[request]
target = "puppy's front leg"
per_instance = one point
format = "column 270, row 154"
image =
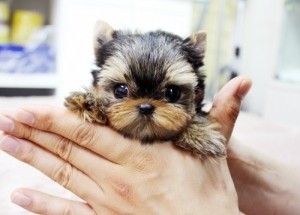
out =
column 87, row 105
column 202, row 139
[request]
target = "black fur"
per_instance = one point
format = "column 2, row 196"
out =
column 95, row 74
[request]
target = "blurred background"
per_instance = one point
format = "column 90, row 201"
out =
column 46, row 52
column 46, row 45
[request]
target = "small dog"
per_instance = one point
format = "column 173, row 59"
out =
column 149, row 87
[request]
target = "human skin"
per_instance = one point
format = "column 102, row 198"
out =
column 264, row 185
column 115, row 175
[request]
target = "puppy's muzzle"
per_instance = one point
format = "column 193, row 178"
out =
column 146, row 109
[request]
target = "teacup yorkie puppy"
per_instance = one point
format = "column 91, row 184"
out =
column 149, row 87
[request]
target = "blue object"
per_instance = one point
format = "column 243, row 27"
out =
column 20, row 59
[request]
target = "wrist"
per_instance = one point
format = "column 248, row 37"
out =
column 199, row 187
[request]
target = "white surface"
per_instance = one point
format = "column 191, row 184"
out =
column 7, row 103
column 28, row 80
column 283, row 102
column 277, row 140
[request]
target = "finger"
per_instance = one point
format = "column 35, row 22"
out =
column 52, row 166
column 227, row 103
column 65, row 123
column 82, row 158
column 44, row 204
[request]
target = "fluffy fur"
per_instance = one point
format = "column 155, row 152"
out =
column 149, row 87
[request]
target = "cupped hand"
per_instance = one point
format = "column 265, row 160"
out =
column 115, row 175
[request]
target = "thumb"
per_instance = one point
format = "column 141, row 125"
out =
column 227, row 103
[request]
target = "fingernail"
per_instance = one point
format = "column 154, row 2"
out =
column 24, row 117
column 244, row 87
column 6, row 124
column 20, row 199
column 9, row 145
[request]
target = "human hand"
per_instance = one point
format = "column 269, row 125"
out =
column 114, row 175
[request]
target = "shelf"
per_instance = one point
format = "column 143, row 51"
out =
column 29, row 84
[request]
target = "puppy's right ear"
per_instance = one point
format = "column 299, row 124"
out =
column 199, row 43
column 103, row 33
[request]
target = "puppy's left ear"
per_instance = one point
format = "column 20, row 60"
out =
column 198, row 42
column 103, row 33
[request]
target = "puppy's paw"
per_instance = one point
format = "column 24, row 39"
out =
column 203, row 140
column 87, row 106
column 213, row 144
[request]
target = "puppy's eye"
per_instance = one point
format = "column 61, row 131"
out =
column 121, row 91
column 172, row 93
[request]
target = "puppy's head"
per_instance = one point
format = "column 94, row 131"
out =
column 152, row 80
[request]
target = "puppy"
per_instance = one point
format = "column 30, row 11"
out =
column 149, row 87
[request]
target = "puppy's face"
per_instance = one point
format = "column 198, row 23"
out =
column 151, row 80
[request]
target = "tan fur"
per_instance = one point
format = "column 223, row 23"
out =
column 199, row 41
column 180, row 73
column 204, row 131
column 102, row 31
column 114, row 70
column 167, row 121
column 87, row 106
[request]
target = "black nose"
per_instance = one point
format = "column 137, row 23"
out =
column 146, row 108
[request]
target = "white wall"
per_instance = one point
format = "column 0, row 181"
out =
column 74, row 21
column 271, row 98
column 260, row 49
